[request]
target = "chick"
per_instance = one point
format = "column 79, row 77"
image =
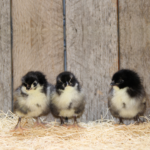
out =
column 68, row 100
column 127, row 97
column 32, row 98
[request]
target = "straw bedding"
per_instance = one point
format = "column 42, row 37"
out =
column 94, row 135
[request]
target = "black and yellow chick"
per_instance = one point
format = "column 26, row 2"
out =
column 68, row 100
column 32, row 98
column 127, row 97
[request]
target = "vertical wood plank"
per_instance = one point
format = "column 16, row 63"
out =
column 5, row 56
column 134, row 25
column 92, row 50
column 37, row 38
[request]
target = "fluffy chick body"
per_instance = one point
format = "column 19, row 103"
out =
column 68, row 101
column 32, row 98
column 127, row 97
column 32, row 103
column 123, row 106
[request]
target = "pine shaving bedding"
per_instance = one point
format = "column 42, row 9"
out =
column 96, row 135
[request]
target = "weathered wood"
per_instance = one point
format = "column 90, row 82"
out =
column 92, row 50
column 37, row 38
column 5, row 57
column 134, row 25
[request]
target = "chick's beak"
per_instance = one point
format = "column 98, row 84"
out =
column 112, row 83
column 28, row 87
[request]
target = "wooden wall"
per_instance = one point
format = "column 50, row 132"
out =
column 37, row 38
column 134, row 29
column 92, row 50
column 5, row 57
column 97, row 46
column 102, row 37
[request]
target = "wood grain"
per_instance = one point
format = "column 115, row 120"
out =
column 37, row 38
column 92, row 50
column 5, row 57
column 134, row 25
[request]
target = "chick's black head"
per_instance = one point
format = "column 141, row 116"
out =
column 34, row 79
column 65, row 79
column 126, row 78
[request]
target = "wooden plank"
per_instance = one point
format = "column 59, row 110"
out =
column 37, row 38
column 134, row 25
column 5, row 57
column 92, row 50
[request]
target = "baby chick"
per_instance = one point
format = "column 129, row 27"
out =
column 127, row 97
column 68, row 100
column 32, row 98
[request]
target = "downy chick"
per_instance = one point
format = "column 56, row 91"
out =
column 32, row 98
column 127, row 97
column 68, row 100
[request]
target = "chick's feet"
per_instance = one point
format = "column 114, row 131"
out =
column 39, row 123
column 75, row 125
column 18, row 127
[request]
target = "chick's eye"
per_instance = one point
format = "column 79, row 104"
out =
column 34, row 84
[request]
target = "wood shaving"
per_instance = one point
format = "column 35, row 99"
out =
column 96, row 135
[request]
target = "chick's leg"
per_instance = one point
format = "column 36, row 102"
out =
column 75, row 125
column 18, row 126
column 39, row 123
column 61, row 121
column 120, row 121
column 138, row 120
